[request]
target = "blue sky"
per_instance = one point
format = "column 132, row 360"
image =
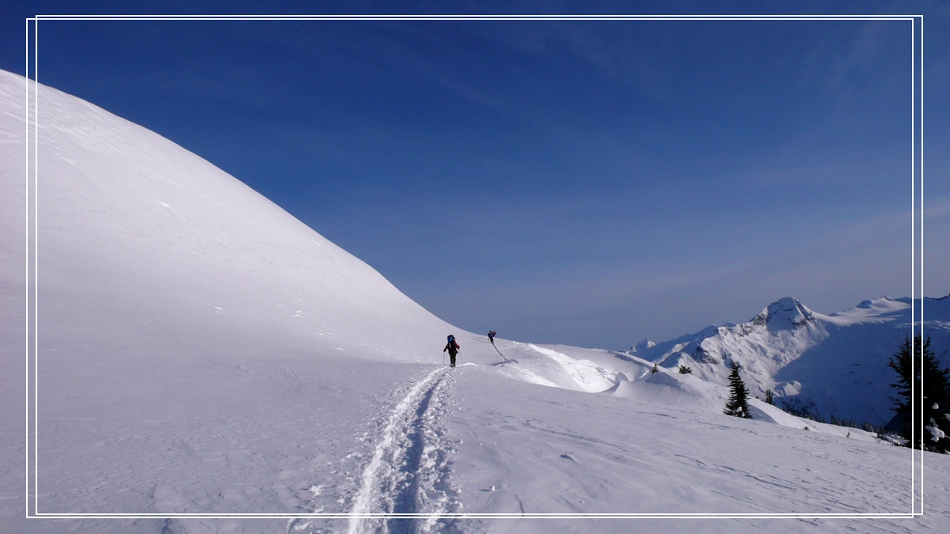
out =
column 588, row 183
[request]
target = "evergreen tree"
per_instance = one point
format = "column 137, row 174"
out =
column 922, row 379
column 738, row 403
column 901, row 364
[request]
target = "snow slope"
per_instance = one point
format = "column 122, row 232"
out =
column 203, row 358
column 825, row 365
column 129, row 220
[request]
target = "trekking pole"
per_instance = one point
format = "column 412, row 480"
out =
column 443, row 358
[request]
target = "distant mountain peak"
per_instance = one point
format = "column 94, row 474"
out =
column 786, row 312
column 642, row 346
column 814, row 363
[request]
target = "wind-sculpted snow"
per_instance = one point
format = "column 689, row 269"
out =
column 583, row 374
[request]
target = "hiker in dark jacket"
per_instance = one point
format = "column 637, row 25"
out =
column 491, row 336
column 453, row 349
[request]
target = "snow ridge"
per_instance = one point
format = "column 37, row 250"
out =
column 816, row 364
column 409, row 471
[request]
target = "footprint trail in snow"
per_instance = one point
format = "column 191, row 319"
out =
column 409, row 470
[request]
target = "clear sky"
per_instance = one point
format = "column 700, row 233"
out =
column 581, row 182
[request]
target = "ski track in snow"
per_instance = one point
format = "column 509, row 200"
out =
column 410, row 467
column 505, row 359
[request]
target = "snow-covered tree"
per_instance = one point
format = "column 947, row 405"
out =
column 924, row 379
column 738, row 404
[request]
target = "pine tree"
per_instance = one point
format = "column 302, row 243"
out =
column 769, row 397
column 924, row 378
column 900, row 363
column 738, row 404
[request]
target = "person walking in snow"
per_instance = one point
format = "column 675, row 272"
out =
column 453, row 349
column 491, row 336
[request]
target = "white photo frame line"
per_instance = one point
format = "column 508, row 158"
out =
column 32, row 262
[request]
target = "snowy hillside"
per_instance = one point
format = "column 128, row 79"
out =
column 207, row 363
column 136, row 227
column 824, row 365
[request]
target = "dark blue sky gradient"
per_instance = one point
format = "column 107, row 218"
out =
column 589, row 183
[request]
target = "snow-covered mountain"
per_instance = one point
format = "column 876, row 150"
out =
column 136, row 227
column 200, row 358
column 823, row 365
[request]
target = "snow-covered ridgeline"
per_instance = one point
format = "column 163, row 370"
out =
column 129, row 220
column 827, row 365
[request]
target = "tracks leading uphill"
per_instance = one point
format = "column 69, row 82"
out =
column 409, row 470
column 505, row 359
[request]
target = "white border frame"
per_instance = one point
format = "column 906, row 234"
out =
column 32, row 264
